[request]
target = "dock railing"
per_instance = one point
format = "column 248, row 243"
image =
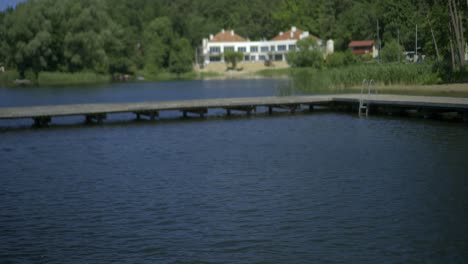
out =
column 365, row 98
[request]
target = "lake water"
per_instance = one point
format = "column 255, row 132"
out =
column 306, row 188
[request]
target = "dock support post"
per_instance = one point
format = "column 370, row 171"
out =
column 270, row 110
column 98, row 118
column 198, row 111
column 247, row 109
column 293, row 108
column 311, row 108
column 464, row 116
column 427, row 114
column 149, row 113
column 42, row 121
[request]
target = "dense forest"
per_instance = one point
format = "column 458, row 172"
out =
column 127, row 36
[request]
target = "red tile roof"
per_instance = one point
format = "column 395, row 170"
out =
column 295, row 35
column 361, row 43
column 287, row 35
column 227, row 36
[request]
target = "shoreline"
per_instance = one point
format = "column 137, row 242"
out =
column 452, row 89
column 447, row 89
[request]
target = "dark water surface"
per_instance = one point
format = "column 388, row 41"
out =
column 142, row 92
column 307, row 188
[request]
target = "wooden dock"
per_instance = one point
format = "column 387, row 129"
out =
column 428, row 105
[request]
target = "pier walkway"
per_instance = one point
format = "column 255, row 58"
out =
column 428, row 105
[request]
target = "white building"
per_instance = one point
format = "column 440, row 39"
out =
column 275, row 49
column 466, row 51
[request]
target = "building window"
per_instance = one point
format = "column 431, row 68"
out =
column 272, row 48
column 253, row 58
column 215, row 50
column 292, row 47
column 262, row 58
column 230, row 48
column 215, row 59
column 254, row 49
column 278, row 57
column 282, row 48
column 264, row 49
column 246, row 58
column 242, row 49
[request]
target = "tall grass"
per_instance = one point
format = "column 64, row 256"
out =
column 80, row 78
column 208, row 75
column 387, row 74
column 165, row 76
column 8, row 78
column 275, row 72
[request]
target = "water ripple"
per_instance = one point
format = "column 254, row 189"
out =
column 310, row 188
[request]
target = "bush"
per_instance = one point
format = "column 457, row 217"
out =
column 339, row 59
column 307, row 55
column 8, row 78
column 336, row 59
column 391, row 51
column 443, row 69
column 351, row 59
column 232, row 57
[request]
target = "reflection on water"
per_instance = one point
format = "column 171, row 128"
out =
column 139, row 92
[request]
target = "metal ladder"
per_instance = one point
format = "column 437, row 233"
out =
column 364, row 102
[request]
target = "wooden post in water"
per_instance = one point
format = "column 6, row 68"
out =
column 293, row 108
column 149, row 113
column 42, row 121
column 464, row 116
column 197, row 111
column 98, row 118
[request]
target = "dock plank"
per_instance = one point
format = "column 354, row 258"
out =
column 86, row 109
column 449, row 103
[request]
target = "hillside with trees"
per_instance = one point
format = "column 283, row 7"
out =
column 130, row 36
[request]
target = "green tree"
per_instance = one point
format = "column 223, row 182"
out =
column 391, row 52
column 232, row 57
column 307, row 55
column 157, row 41
column 129, row 35
column 301, row 13
column 28, row 31
column 91, row 37
column 180, row 60
column 4, row 48
column 358, row 22
column 398, row 16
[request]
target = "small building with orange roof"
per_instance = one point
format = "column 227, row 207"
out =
column 363, row 47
